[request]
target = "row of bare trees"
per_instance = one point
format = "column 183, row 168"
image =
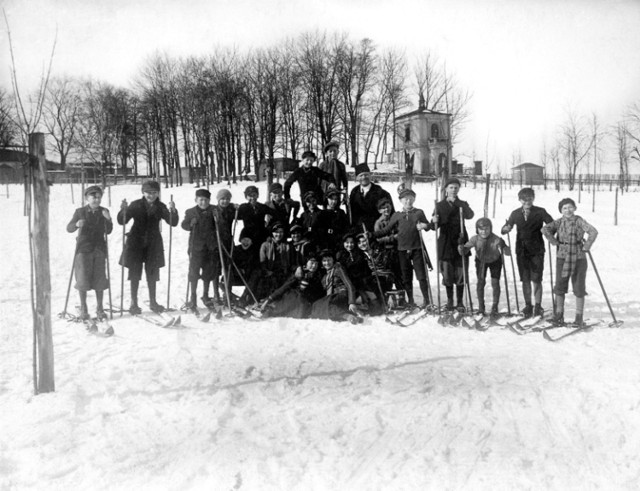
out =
column 224, row 114
column 582, row 142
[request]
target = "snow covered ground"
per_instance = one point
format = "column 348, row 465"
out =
column 282, row 404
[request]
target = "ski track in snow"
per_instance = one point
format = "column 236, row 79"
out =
column 288, row 404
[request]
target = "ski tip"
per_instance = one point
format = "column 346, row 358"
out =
column 178, row 321
column 110, row 331
column 545, row 335
column 206, row 317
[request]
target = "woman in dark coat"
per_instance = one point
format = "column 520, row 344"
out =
column 339, row 302
column 144, row 242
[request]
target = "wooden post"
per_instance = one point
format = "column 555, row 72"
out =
column 615, row 213
column 486, row 196
column 580, row 189
column 40, row 240
column 495, row 194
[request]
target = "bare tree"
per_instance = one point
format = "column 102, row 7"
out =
column 576, row 141
column 8, row 129
column 632, row 127
column 61, row 115
column 622, row 141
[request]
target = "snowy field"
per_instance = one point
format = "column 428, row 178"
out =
column 313, row 405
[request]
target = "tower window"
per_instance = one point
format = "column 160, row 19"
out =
column 435, row 131
column 407, row 133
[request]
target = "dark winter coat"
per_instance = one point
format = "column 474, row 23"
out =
column 281, row 212
column 529, row 240
column 449, row 225
column 253, row 217
column 338, row 170
column 91, row 235
column 308, row 180
column 402, row 225
column 332, row 225
column 145, row 231
column 364, row 208
column 203, row 234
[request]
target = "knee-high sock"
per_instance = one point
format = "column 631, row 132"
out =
column 559, row 304
column 495, row 285
column 579, row 305
column 152, row 291
column 424, row 289
column 99, row 299
column 537, row 292
column 134, row 291
column 526, row 292
column 460, row 293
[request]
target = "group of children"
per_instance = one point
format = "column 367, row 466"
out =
column 325, row 263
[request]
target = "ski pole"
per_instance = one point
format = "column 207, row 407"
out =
column 375, row 269
column 437, row 227
column 615, row 323
column 233, row 235
column 240, row 275
column 425, row 257
column 169, row 262
column 106, row 249
column 464, row 265
column 64, row 314
column 506, row 283
column 124, row 234
column 224, row 271
column 553, row 295
column 513, row 271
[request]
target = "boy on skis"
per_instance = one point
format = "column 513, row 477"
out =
column 408, row 223
column 567, row 234
column 447, row 218
column 198, row 221
column 489, row 248
column 94, row 224
column 144, row 241
column 529, row 248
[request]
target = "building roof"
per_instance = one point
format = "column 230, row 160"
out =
column 420, row 111
column 527, row 165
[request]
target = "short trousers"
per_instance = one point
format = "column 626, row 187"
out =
column 90, row 270
column 531, row 268
column 578, row 278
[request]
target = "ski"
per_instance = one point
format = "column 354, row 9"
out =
column 586, row 327
column 92, row 327
column 411, row 319
column 402, row 315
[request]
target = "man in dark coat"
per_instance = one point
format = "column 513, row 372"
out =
column 254, row 216
column 144, row 241
column 447, row 218
column 309, row 178
column 364, row 199
column 282, row 208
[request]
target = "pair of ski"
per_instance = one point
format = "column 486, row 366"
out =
column 236, row 311
column 407, row 317
column 546, row 326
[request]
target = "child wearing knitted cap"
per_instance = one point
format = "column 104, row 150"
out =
column 489, row 248
column 144, row 241
column 567, row 234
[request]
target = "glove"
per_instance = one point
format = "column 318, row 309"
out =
column 123, row 205
column 461, row 250
column 105, row 213
column 461, row 241
column 506, row 228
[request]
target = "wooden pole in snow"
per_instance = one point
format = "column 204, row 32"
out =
column 615, row 213
column 486, row 196
column 41, row 269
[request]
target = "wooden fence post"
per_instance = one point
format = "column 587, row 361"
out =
column 615, row 213
column 41, row 267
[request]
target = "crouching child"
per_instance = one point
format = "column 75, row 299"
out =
column 94, row 223
column 489, row 248
column 567, row 234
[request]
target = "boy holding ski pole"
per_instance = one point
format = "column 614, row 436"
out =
column 94, row 224
column 529, row 220
column 202, row 245
column 489, row 248
column 446, row 218
column 409, row 222
column 567, row 234
column 144, row 244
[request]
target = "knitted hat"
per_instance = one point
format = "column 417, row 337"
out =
column 276, row 187
column 296, row 229
column 349, row 235
column 382, row 202
column 566, row 201
column 93, row 189
column 326, row 253
column 203, row 193
column 251, row 190
column 362, row 168
column 452, row 180
column 484, row 223
column 406, row 192
column 332, row 192
column 150, row 186
column 309, row 153
column 329, row 145
column 308, row 195
column 277, row 226
column 223, row 194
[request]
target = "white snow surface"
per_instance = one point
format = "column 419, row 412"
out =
column 308, row 404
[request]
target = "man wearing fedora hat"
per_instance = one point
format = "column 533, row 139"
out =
column 364, row 198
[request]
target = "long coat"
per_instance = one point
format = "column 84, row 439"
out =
column 91, row 235
column 145, row 232
column 449, row 225
column 364, row 207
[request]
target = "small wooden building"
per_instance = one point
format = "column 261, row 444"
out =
column 280, row 166
column 527, row 174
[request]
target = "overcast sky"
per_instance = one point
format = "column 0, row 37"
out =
column 524, row 61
